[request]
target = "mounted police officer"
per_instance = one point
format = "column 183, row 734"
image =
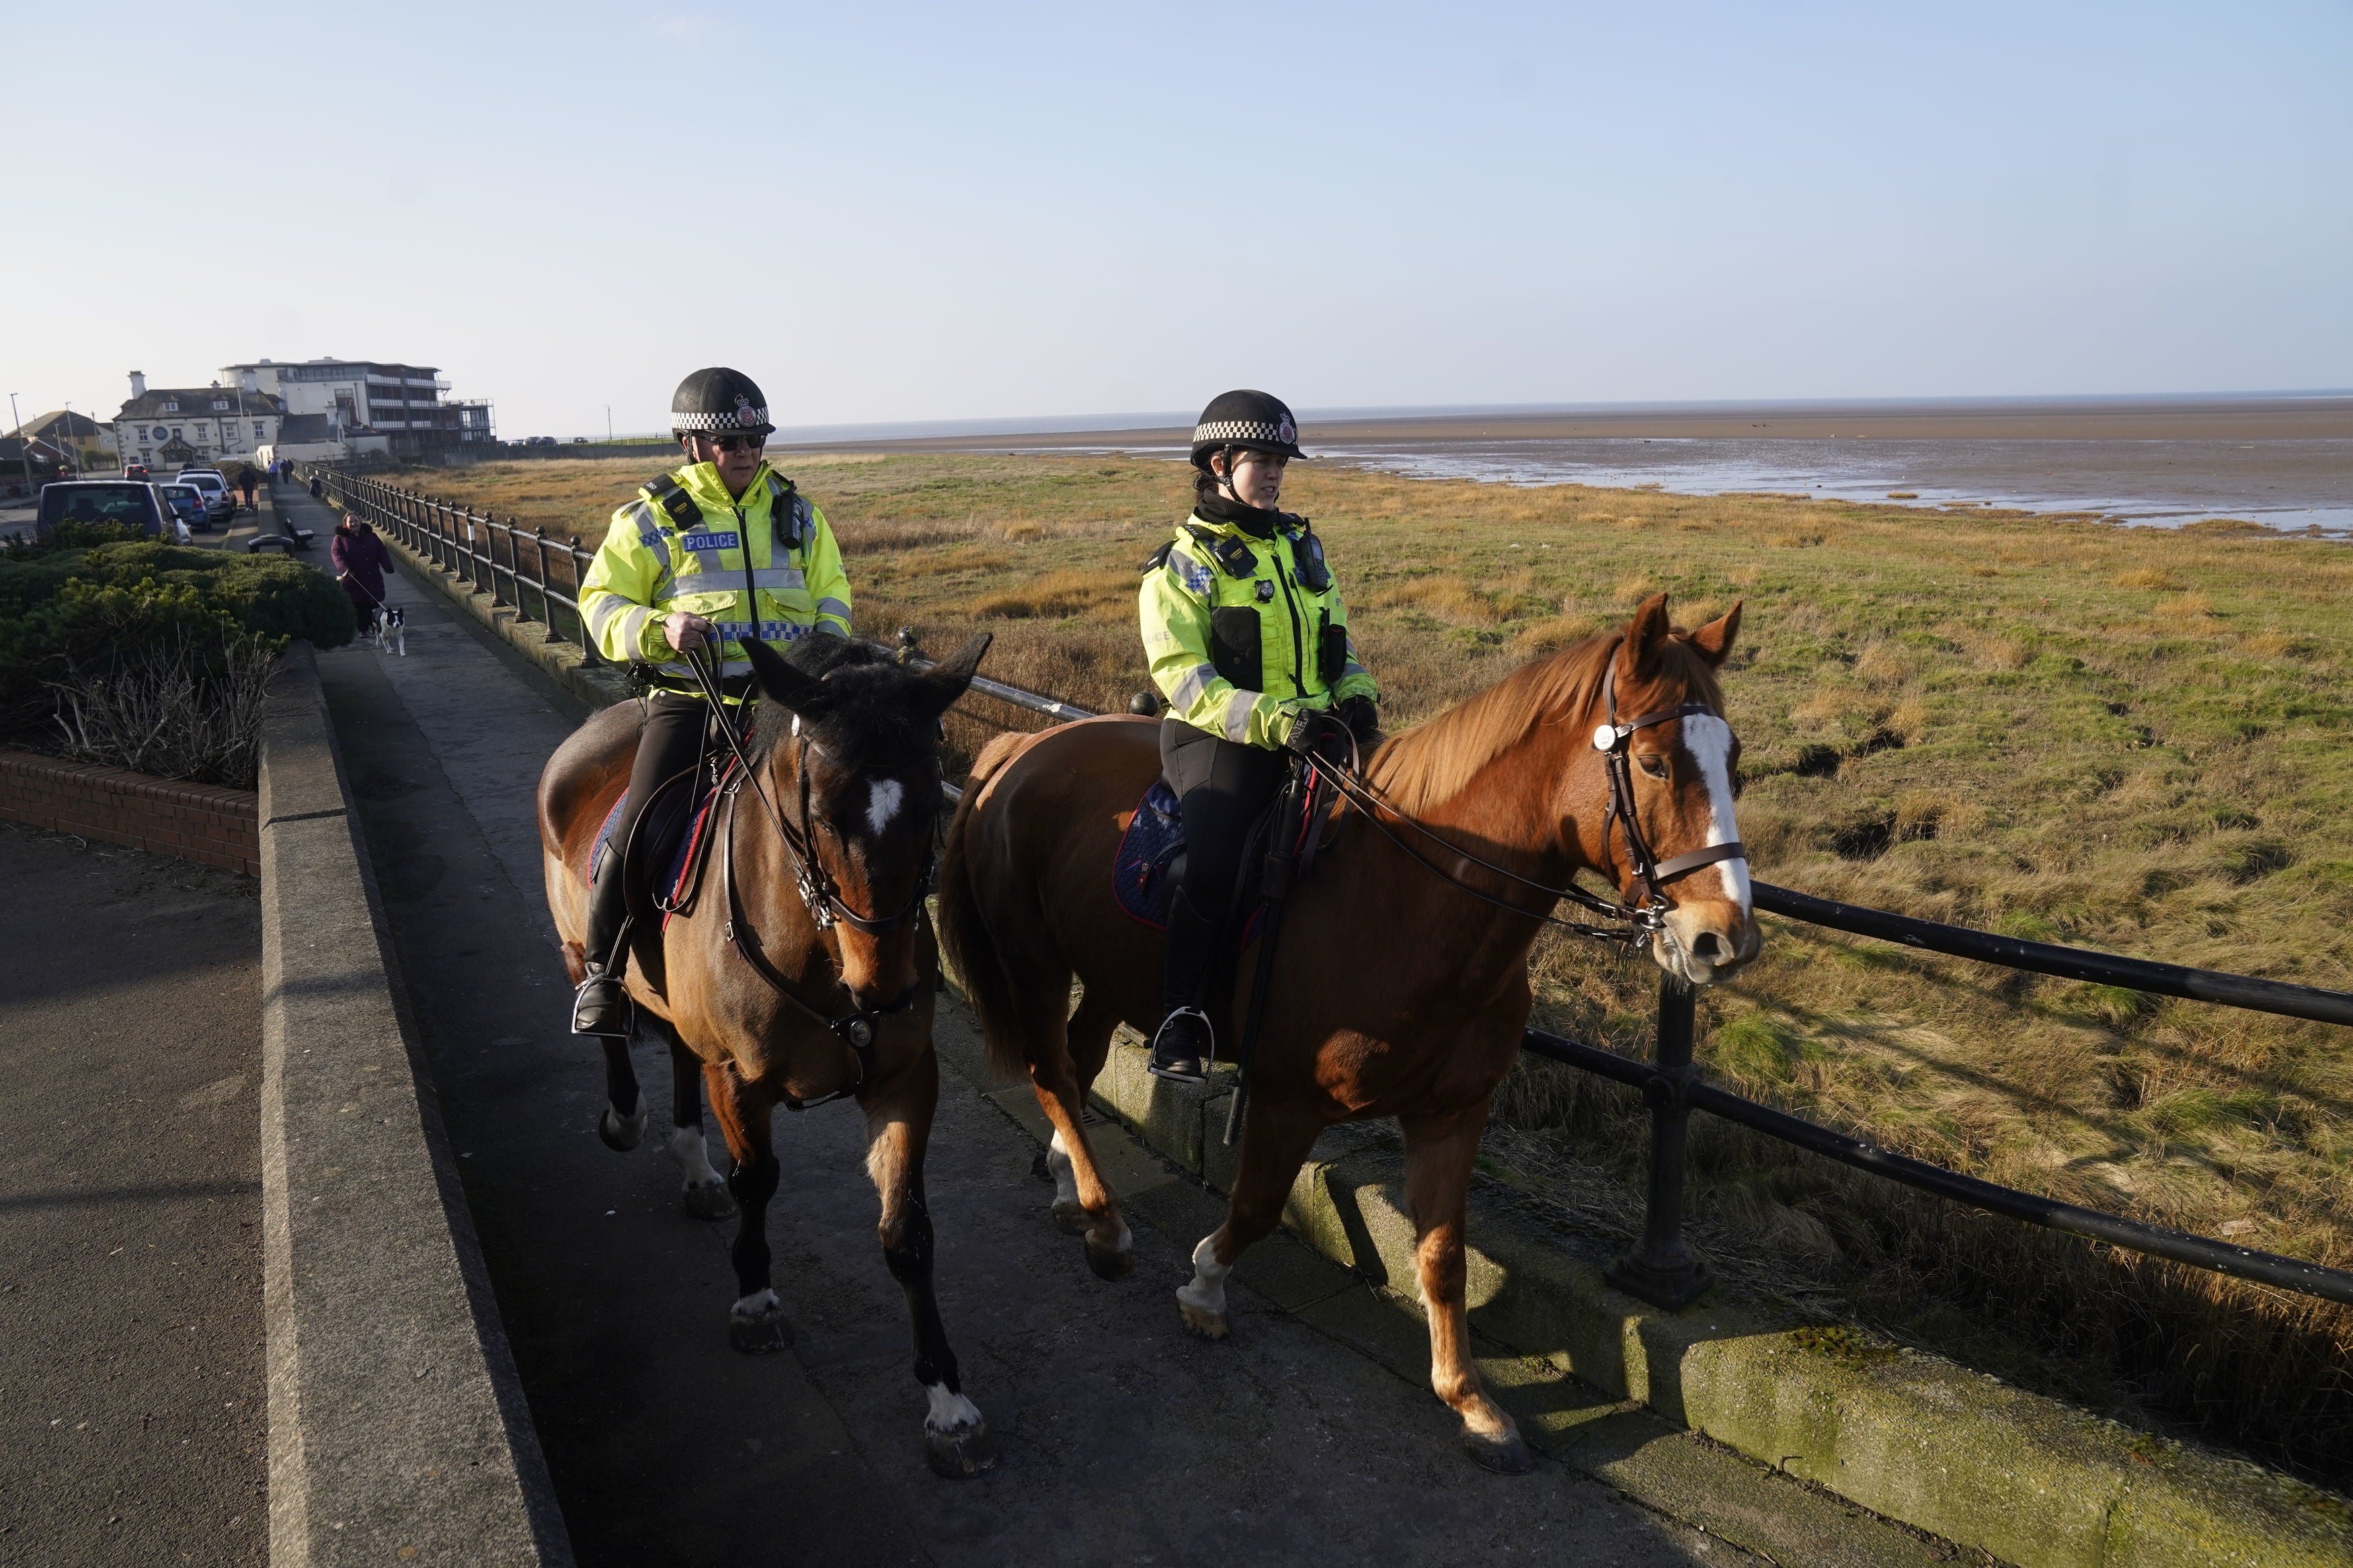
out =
column 1248, row 642
column 710, row 553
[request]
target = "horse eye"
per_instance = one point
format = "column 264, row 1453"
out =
column 1652, row 764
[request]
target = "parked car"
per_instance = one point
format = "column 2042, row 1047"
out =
column 190, row 503
column 218, row 500
column 130, row 501
column 135, row 471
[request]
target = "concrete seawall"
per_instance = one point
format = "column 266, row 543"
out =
column 397, row 1431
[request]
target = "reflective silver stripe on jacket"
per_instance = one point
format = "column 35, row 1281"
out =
column 1191, row 686
column 1238, row 714
column 633, row 625
column 826, row 606
column 601, row 611
column 686, row 672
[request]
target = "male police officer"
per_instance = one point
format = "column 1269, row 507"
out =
column 718, row 550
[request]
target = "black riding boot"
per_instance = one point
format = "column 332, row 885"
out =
column 1184, row 1046
column 600, row 1006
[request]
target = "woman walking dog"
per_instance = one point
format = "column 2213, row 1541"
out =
column 360, row 560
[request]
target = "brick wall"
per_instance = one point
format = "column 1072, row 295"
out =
column 203, row 823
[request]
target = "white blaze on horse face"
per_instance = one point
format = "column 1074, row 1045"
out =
column 949, row 1412
column 882, row 799
column 1708, row 739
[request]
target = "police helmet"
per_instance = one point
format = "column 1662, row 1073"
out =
column 717, row 401
column 1253, row 421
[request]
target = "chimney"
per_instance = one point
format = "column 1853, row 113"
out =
column 137, row 383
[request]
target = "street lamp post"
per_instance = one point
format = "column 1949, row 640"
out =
column 73, row 453
column 23, row 455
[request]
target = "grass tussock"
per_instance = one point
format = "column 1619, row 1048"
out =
column 2133, row 740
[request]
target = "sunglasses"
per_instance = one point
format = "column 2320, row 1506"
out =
column 736, row 443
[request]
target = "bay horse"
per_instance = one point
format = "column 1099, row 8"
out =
column 802, row 968
column 1403, row 985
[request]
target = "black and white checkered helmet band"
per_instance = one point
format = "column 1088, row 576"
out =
column 743, row 417
column 1225, row 432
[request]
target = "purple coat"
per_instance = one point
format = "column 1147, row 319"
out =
column 359, row 556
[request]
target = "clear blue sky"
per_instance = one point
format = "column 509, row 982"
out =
column 920, row 213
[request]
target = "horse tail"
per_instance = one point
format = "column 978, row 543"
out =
column 964, row 929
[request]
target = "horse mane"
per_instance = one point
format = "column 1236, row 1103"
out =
column 1429, row 764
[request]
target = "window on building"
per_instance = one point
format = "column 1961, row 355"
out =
column 256, row 429
column 200, row 432
column 175, row 432
column 171, row 406
column 220, row 403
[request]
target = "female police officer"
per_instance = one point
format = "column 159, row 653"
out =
column 720, row 550
column 1249, row 641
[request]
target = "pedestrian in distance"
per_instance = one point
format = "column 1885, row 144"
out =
column 721, row 549
column 360, row 561
column 317, row 489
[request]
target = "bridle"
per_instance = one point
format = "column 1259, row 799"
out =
column 818, row 890
column 1641, row 916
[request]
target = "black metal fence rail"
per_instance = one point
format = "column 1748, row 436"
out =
column 512, row 563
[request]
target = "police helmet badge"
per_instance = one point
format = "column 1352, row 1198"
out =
column 1286, row 432
column 745, row 415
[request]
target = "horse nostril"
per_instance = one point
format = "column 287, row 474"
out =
column 1706, row 945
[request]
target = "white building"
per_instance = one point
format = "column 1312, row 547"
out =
column 176, row 426
column 401, row 402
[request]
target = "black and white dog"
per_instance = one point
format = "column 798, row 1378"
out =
column 389, row 631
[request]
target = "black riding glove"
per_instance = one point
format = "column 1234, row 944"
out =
column 1362, row 717
column 1317, row 733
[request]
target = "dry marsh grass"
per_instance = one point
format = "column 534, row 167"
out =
column 2130, row 740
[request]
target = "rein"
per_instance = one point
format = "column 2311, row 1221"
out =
column 1642, row 916
column 818, row 890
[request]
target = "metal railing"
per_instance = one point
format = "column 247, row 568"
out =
column 519, row 567
column 511, row 562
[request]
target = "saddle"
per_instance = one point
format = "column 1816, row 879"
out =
column 672, row 839
column 1150, row 865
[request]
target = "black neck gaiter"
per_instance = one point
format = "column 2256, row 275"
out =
column 1259, row 522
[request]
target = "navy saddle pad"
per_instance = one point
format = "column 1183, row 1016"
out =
column 677, row 822
column 1150, row 847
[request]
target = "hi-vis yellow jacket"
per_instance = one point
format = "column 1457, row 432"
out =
column 1243, row 632
column 765, row 566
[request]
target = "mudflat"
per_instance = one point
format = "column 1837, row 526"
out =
column 2221, row 418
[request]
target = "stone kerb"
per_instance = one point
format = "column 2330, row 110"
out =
column 397, row 1429
column 1908, row 1435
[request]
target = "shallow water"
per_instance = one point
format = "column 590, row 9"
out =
column 2286, row 484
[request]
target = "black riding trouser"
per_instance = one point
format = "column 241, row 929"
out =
column 1223, row 786
column 670, row 742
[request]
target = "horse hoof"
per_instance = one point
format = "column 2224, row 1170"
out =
column 710, row 1200
column 765, row 1334
column 960, row 1456
column 1208, row 1325
column 621, row 1134
column 1506, row 1454
column 1109, row 1262
column 1070, row 1218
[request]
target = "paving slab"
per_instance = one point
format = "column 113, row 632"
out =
column 132, row 1418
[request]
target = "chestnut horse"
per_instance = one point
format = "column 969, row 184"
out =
column 1403, row 985
column 803, row 967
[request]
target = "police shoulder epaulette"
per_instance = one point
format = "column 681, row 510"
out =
column 665, row 493
column 1158, row 559
column 1233, row 557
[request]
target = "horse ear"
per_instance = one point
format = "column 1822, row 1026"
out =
column 780, row 682
column 937, row 688
column 1650, row 629
column 1714, row 641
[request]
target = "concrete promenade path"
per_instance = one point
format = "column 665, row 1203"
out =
column 1308, row 1439
column 132, row 1418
